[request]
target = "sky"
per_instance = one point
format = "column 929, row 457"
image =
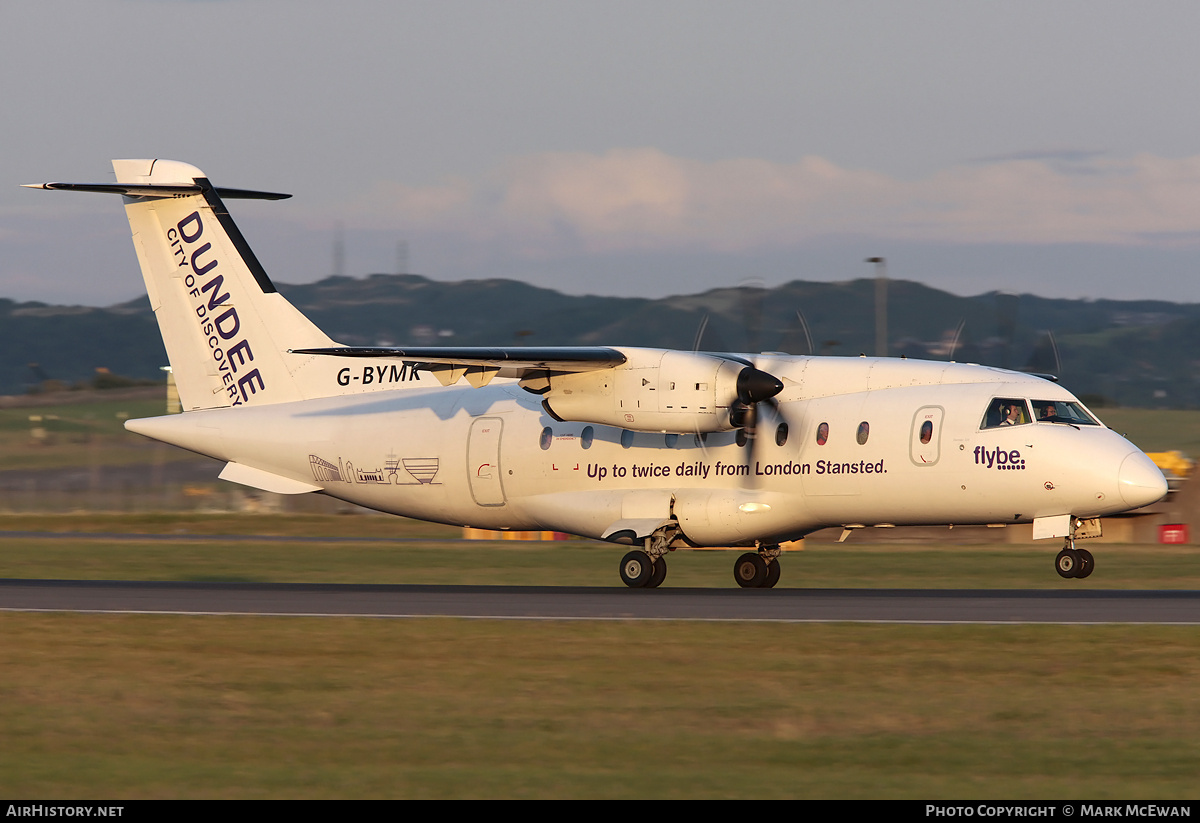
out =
column 626, row 148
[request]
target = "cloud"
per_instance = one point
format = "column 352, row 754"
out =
column 643, row 199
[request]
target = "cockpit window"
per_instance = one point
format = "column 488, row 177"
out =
column 1062, row 411
column 1005, row 411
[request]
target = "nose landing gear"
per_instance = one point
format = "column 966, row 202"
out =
column 1072, row 562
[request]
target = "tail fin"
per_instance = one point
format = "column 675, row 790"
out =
column 225, row 327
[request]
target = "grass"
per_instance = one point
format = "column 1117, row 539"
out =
column 1157, row 430
column 126, row 707
column 90, row 434
column 410, row 551
column 200, row 524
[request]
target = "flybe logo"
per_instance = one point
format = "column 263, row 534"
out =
column 219, row 323
column 999, row 459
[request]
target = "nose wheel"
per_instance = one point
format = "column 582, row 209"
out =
column 1072, row 563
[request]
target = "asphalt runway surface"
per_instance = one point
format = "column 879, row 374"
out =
column 595, row 603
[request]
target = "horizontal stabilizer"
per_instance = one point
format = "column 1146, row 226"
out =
column 158, row 190
column 223, row 323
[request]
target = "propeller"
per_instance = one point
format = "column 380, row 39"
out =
column 752, row 296
column 755, row 404
column 754, row 386
column 1006, row 324
column 1045, row 359
column 957, row 336
column 792, row 341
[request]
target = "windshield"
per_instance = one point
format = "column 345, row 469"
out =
column 1062, row 411
column 1005, row 411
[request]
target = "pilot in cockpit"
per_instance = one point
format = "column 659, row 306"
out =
column 1006, row 411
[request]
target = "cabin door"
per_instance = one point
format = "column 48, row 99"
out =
column 926, row 435
column 483, row 461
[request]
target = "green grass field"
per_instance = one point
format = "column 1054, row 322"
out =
column 213, row 707
column 54, row 436
column 1156, row 430
column 432, row 554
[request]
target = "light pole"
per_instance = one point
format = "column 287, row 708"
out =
column 880, row 305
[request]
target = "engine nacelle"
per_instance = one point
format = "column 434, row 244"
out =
column 658, row 390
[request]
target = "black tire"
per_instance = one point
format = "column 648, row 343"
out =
column 1086, row 563
column 1067, row 563
column 750, row 571
column 636, row 569
column 773, row 571
column 658, row 575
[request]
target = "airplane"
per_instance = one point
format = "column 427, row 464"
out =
column 656, row 449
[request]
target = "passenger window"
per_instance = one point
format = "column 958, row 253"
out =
column 926, row 432
column 781, row 434
column 587, row 436
column 547, row 438
column 864, row 431
column 822, row 434
column 1005, row 411
column 626, row 438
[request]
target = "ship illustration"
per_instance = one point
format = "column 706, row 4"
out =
column 424, row 469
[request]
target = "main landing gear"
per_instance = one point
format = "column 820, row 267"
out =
column 758, row 570
column 640, row 571
column 647, row 569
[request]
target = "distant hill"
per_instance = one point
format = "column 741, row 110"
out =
column 1132, row 353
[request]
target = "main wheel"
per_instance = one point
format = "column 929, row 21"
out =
column 1086, row 563
column 772, row 575
column 750, row 571
column 1067, row 563
column 636, row 569
column 658, row 575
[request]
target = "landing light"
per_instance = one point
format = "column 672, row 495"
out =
column 751, row 508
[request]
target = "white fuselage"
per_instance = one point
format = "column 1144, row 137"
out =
column 491, row 457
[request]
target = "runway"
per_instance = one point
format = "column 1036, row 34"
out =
column 933, row 606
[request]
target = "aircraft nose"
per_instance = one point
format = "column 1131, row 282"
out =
column 1141, row 482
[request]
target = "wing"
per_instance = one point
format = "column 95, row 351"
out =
column 480, row 364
